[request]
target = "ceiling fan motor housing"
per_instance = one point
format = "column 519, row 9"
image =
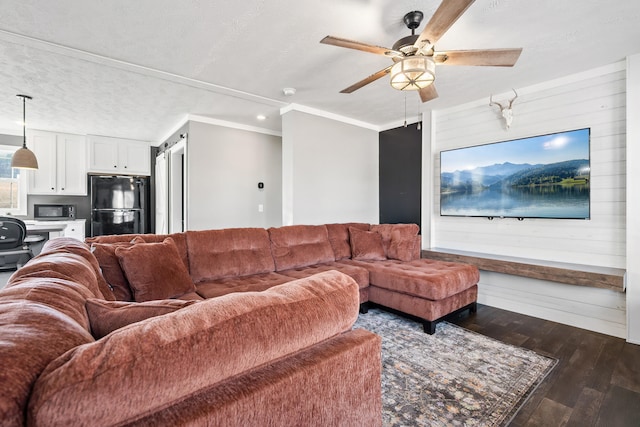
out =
column 405, row 45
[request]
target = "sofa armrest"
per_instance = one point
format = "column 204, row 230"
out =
column 149, row 365
column 336, row 382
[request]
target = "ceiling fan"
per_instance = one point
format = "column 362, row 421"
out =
column 415, row 56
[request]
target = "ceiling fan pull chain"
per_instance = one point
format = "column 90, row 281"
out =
column 405, row 109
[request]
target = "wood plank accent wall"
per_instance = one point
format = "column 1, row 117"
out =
column 595, row 99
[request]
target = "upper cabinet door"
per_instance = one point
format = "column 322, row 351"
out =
column 43, row 179
column 135, row 157
column 122, row 156
column 62, row 164
column 72, row 165
column 103, row 154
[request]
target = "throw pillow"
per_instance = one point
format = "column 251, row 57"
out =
column 339, row 238
column 154, row 270
column 366, row 245
column 107, row 316
column 400, row 247
column 105, row 253
column 405, row 232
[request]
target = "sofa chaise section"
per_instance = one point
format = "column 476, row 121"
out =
column 399, row 279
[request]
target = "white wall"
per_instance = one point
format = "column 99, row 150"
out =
column 330, row 171
column 224, row 168
column 633, row 200
column 594, row 99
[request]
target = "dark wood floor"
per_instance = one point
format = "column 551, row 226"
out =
column 595, row 383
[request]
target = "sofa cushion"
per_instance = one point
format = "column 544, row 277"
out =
column 180, row 240
column 112, row 272
column 339, row 238
column 366, row 245
column 423, row 278
column 107, row 316
column 359, row 274
column 154, row 270
column 403, row 232
column 300, row 245
column 253, row 283
column 111, row 380
column 214, row 254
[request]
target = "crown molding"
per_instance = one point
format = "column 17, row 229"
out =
column 328, row 115
column 233, row 125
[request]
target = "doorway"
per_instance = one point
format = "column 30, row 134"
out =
column 177, row 187
column 162, row 194
column 171, row 189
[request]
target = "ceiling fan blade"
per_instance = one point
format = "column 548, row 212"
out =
column 489, row 57
column 370, row 79
column 428, row 93
column 447, row 13
column 350, row 44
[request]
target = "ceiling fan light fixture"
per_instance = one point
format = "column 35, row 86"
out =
column 413, row 73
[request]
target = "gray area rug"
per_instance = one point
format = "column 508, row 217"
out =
column 455, row 377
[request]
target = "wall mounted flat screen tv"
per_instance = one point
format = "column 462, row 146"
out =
column 544, row 176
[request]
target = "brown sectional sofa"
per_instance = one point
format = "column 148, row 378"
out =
column 286, row 356
column 386, row 265
column 257, row 330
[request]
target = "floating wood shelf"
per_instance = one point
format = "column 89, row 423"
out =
column 572, row 274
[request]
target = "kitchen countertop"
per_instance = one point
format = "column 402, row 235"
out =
column 49, row 225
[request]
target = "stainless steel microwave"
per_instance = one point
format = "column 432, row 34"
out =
column 54, row 212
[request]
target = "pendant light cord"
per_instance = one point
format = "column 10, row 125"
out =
column 24, row 122
column 24, row 119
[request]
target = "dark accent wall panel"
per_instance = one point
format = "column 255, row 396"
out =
column 401, row 175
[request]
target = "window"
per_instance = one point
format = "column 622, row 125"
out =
column 13, row 184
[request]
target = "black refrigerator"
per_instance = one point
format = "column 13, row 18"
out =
column 119, row 205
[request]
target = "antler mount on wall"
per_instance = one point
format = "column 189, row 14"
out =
column 414, row 57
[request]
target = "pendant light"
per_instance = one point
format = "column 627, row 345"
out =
column 24, row 158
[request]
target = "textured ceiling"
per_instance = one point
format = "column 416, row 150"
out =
column 135, row 69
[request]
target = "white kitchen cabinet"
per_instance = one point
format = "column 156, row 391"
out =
column 52, row 229
column 62, row 166
column 75, row 229
column 121, row 156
